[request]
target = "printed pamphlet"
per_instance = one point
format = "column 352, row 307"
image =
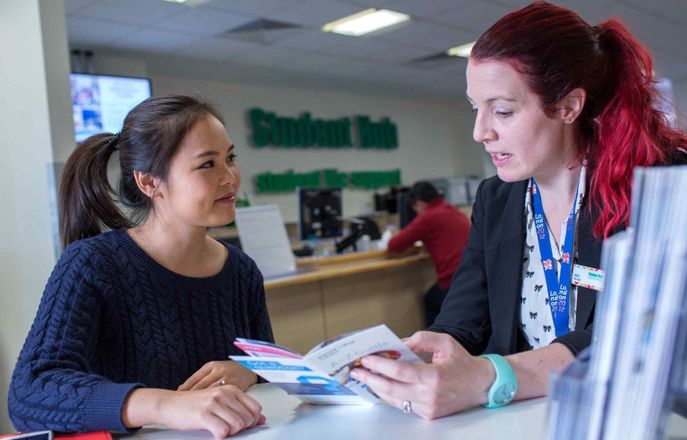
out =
column 323, row 375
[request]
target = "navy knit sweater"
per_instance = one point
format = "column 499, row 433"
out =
column 112, row 319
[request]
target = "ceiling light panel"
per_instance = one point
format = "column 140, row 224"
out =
column 366, row 22
column 461, row 51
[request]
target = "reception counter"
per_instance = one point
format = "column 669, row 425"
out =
column 334, row 295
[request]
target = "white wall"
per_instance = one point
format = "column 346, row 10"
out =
column 34, row 119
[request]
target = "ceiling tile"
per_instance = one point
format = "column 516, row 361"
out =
column 213, row 48
column 92, row 32
column 255, row 7
column 131, row 11
column 154, row 41
column 397, row 53
column 314, row 40
column 315, row 12
column 353, row 47
column 436, row 37
column 271, row 56
column 415, row 8
column 204, row 21
column 477, row 16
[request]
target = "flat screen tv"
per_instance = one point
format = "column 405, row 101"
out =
column 100, row 102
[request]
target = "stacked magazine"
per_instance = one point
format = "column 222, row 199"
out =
column 634, row 374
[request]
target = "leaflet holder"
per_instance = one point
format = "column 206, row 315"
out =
column 635, row 372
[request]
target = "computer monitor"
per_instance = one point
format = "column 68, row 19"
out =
column 319, row 213
column 406, row 213
column 388, row 201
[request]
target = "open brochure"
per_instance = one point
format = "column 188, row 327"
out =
column 323, row 375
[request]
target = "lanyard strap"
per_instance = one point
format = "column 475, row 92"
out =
column 557, row 288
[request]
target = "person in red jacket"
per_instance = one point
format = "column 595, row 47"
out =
column 444, row 230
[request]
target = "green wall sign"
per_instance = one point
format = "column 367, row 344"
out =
column 329, row 178
column 269, row 129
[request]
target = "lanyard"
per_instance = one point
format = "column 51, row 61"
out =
column 558, row 289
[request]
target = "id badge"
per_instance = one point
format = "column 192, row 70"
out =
column 588, row 277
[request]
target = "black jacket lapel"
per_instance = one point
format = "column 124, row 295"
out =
column 508, row 261
column 588, row 254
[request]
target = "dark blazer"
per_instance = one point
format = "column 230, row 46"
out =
column 482, row 307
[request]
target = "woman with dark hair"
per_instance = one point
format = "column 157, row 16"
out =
column 566, row 110
column 135, row 324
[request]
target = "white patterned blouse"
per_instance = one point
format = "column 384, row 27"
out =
column 535, row 314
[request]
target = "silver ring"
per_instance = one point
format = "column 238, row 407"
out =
column 407, row 407
column 222, row 382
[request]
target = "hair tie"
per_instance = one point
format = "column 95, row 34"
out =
column 113, row 143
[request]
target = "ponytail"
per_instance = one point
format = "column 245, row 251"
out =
column 630, row 131
column 85, row 196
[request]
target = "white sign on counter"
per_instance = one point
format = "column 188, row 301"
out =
column 263, row 237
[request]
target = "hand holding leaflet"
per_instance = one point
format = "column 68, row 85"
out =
column 323, row 375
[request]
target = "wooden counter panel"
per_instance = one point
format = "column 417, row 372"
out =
column 346, row 268
column 392, row 297
column 297, row 316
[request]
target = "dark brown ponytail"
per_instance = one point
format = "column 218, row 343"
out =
column 85, row 198
column 149, row 139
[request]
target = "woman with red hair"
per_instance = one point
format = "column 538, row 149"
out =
column 566, row 110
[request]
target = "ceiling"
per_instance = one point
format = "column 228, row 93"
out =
column 301, row 52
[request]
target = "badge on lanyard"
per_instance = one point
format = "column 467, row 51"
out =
column 558, row 288
column 588, row 277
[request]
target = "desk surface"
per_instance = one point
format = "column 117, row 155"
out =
column 287, row 417
column 319, row 269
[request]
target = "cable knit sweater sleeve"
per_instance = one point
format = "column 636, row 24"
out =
column 52, row 385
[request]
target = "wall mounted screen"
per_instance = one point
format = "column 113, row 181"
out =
column 100, row 102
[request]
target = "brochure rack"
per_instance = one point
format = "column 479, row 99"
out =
column 635, row 372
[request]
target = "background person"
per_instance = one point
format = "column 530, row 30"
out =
column 135, row 324
column 566, row 110
column 443, row 230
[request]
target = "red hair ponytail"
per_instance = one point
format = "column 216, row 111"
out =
column 631, row 132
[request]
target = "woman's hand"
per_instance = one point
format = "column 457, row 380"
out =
column 454, row 381
column 213, row 372
column 223, row 411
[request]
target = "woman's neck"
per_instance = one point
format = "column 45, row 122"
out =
column 558, row 190
column 182, row 249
